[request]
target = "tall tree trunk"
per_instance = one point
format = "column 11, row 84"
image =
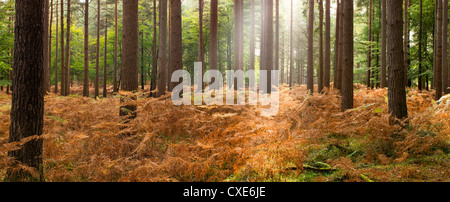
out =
column 420, row 80
column 405, row 42
column 116, row 43
column 154, row 52
column 282, row 62
column 327, row 67
column 439, row 56
column 396, row 83
column 27, row 109
column 321, row 62
column 67, row 66
column 97, row 59
column 49, row 73
column 445, row 83
column 105, row 57
column 341, row 47
column 310, row 82
column 336, row 44
column 214, row 43
column 268, row 43
column 200, row 43
column 56, row 47
column 347, row 67
column 162, row 60
column 175, row 41
column 291, row 47
column 383, row 81
column 46, row 42
column 86, row 50
column 142, row 58
column 252, row 36
column 369, row 52
column 130, row 46
column 63, row 64
column 277, row 35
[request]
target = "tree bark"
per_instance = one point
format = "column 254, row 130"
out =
column 86, row 50
column 268, row 43
column 396, row 83
column 277, row 35
column 116, row 42
column 56, row 47
column 162, row 57
column 369, row 52
column 105, row 76
column 310, row 82
column 420, row 80
column 291, row 48
column 336, row 44
column 67, row 66
column 130, row 46
column 27, row 109
column 327, row 67
column 175, row 41
column 439, row 56
column 445, row 83
column 347, row 68
column 63, row 64
column 321, row 62
column 154, row 52
column 97, row 61
column 405, row 42
column 383, row 81
column 214, row 43
column 47, row 59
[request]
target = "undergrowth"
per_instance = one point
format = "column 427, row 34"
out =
column 309, row 140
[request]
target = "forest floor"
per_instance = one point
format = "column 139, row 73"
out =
column 309, row 140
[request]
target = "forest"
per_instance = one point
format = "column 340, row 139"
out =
column 289, row 91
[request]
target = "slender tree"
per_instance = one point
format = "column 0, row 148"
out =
column 310, row 82
column 116, row 43
column 439, row 56
column 268, row 43
column 47, row 60
column 56, row 47
column 327, row 67
column 405, row 41
column 162, row 57
column 321, row 61
column 347, row 68
column 277, row 35
column 67, row 66
column 63, row 64
column 97, row 59
column 396, row 83
column 369, row 48
column 200, row 43
column 49, row 73
column 445, row 81
column 291, row 47
column 86, row 50
column 336, row 45
column 105, row 57
column 420, row 79
column 154, row 51
column 383, row 81
column 27, row 108
column 252, row 35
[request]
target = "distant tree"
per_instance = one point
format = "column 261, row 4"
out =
column 310, row 82
column 154, row 51
column 56, row 47
column 445, row 81
column 27, row 109
column 105, row 58
column 439, row 56
column 46, row 47
column 97, row 60
column 67, row 66
column 369, row 48
column 116, row 43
